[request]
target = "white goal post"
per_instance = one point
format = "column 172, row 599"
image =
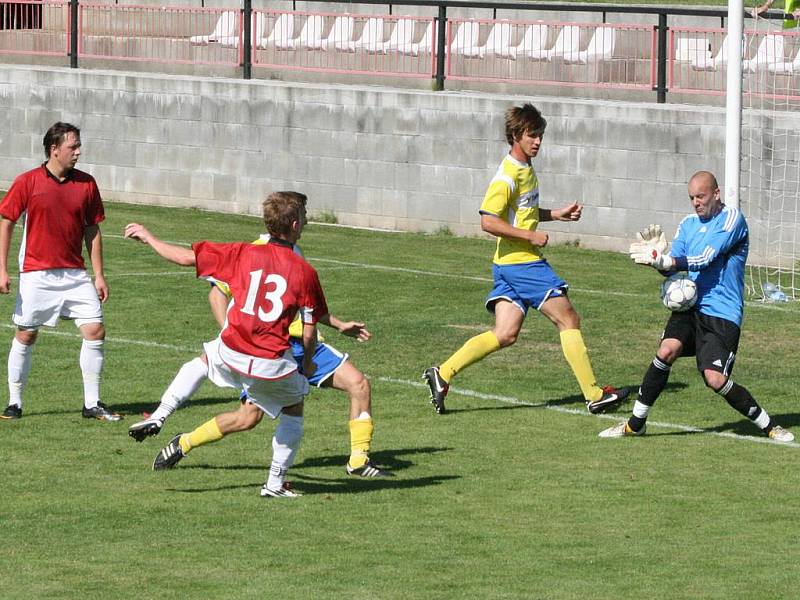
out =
column 762, row 161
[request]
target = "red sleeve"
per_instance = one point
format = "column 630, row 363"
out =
column 95, row 214
column 16, row 200
column 216, row 260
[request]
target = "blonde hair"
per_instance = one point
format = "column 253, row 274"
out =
column 281, row 209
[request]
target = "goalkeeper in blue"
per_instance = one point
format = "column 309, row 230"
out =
column 712, row 245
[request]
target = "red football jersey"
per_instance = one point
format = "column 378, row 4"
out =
column 269, row 284
column 55, row 217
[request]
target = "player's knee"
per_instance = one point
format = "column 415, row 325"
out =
column 714, row 379
column 506, row 338
column 668, row 354
column 27, row 337
column 93, row 331
column 360, row 385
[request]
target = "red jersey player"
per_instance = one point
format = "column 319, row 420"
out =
column 59, row 207
column 270, row 284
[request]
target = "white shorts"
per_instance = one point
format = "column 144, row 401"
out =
column 270, row 395
column 44, row 296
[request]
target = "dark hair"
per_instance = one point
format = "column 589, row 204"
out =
column 523, row 119
column 281, row 209
column 56, row 135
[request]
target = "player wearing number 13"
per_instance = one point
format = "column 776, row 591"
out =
column 712, row 245
column 270, row 284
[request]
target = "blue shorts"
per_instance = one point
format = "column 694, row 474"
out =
column 526, row 285
column 327, row 359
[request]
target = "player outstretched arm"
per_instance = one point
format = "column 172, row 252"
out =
column 352, row 329
column 176, row 254
column 571, row 212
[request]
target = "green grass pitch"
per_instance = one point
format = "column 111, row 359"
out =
column 510, row 495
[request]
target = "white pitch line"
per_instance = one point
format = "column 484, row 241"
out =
column 470, row 277
column 461, row 391
column 115, row 340
column 584, row 413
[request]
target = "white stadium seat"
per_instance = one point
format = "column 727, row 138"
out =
column 498, row 42
column 466, row 39
column 401, row 36
column 281, row 34
column 340, row 35
column 311, row 34
column 601, row 47
column 533, row 40
column 425, row 45
column 224, row 28
column 769, row 52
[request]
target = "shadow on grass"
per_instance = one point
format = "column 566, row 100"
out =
column 575, row 401
column 742, row 426
column 345, row 485
column 341, row 484
column 135, row 409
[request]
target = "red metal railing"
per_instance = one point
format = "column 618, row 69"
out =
column 396, row 46
column 551, row 53
column 697, row 62
column 157, row 34
column 35, row 28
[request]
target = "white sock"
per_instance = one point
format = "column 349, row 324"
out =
column 19, row 365
column 641, row 409
column 185, row 384
column 285, row 444
column 91, row 362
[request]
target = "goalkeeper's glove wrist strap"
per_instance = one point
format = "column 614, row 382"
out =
column 680, row 263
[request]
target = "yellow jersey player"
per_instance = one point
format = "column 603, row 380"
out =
column 333, row 369
column 523, row 278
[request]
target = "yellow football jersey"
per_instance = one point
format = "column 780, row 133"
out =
column 513, row 195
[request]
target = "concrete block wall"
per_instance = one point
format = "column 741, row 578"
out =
column 379, row 157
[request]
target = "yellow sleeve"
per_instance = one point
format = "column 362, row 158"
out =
column 296, row 328
column 223, row 287
column 497, row 199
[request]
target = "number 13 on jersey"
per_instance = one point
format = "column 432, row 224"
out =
column 273, row 296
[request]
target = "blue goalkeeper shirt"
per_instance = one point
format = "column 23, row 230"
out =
column 715, row 251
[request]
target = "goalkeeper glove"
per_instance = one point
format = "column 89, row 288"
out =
column 649, row 238
column 654, row 258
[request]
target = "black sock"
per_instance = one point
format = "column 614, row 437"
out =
column 655, row 380
column 744, row 403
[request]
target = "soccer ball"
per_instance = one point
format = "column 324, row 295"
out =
column 678, row 293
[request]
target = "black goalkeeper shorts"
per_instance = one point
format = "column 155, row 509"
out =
column 713, row 341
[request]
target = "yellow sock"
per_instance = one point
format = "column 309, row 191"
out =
column 360, row 439
column 472, row 351
column 578, row 358
column 205, row 434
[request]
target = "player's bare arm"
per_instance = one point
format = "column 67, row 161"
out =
column 352, row 329
column 500, row 228
column 571, row 212
column 176, row 254
column 309, row 348
column 6, row 229
column 94, row 246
